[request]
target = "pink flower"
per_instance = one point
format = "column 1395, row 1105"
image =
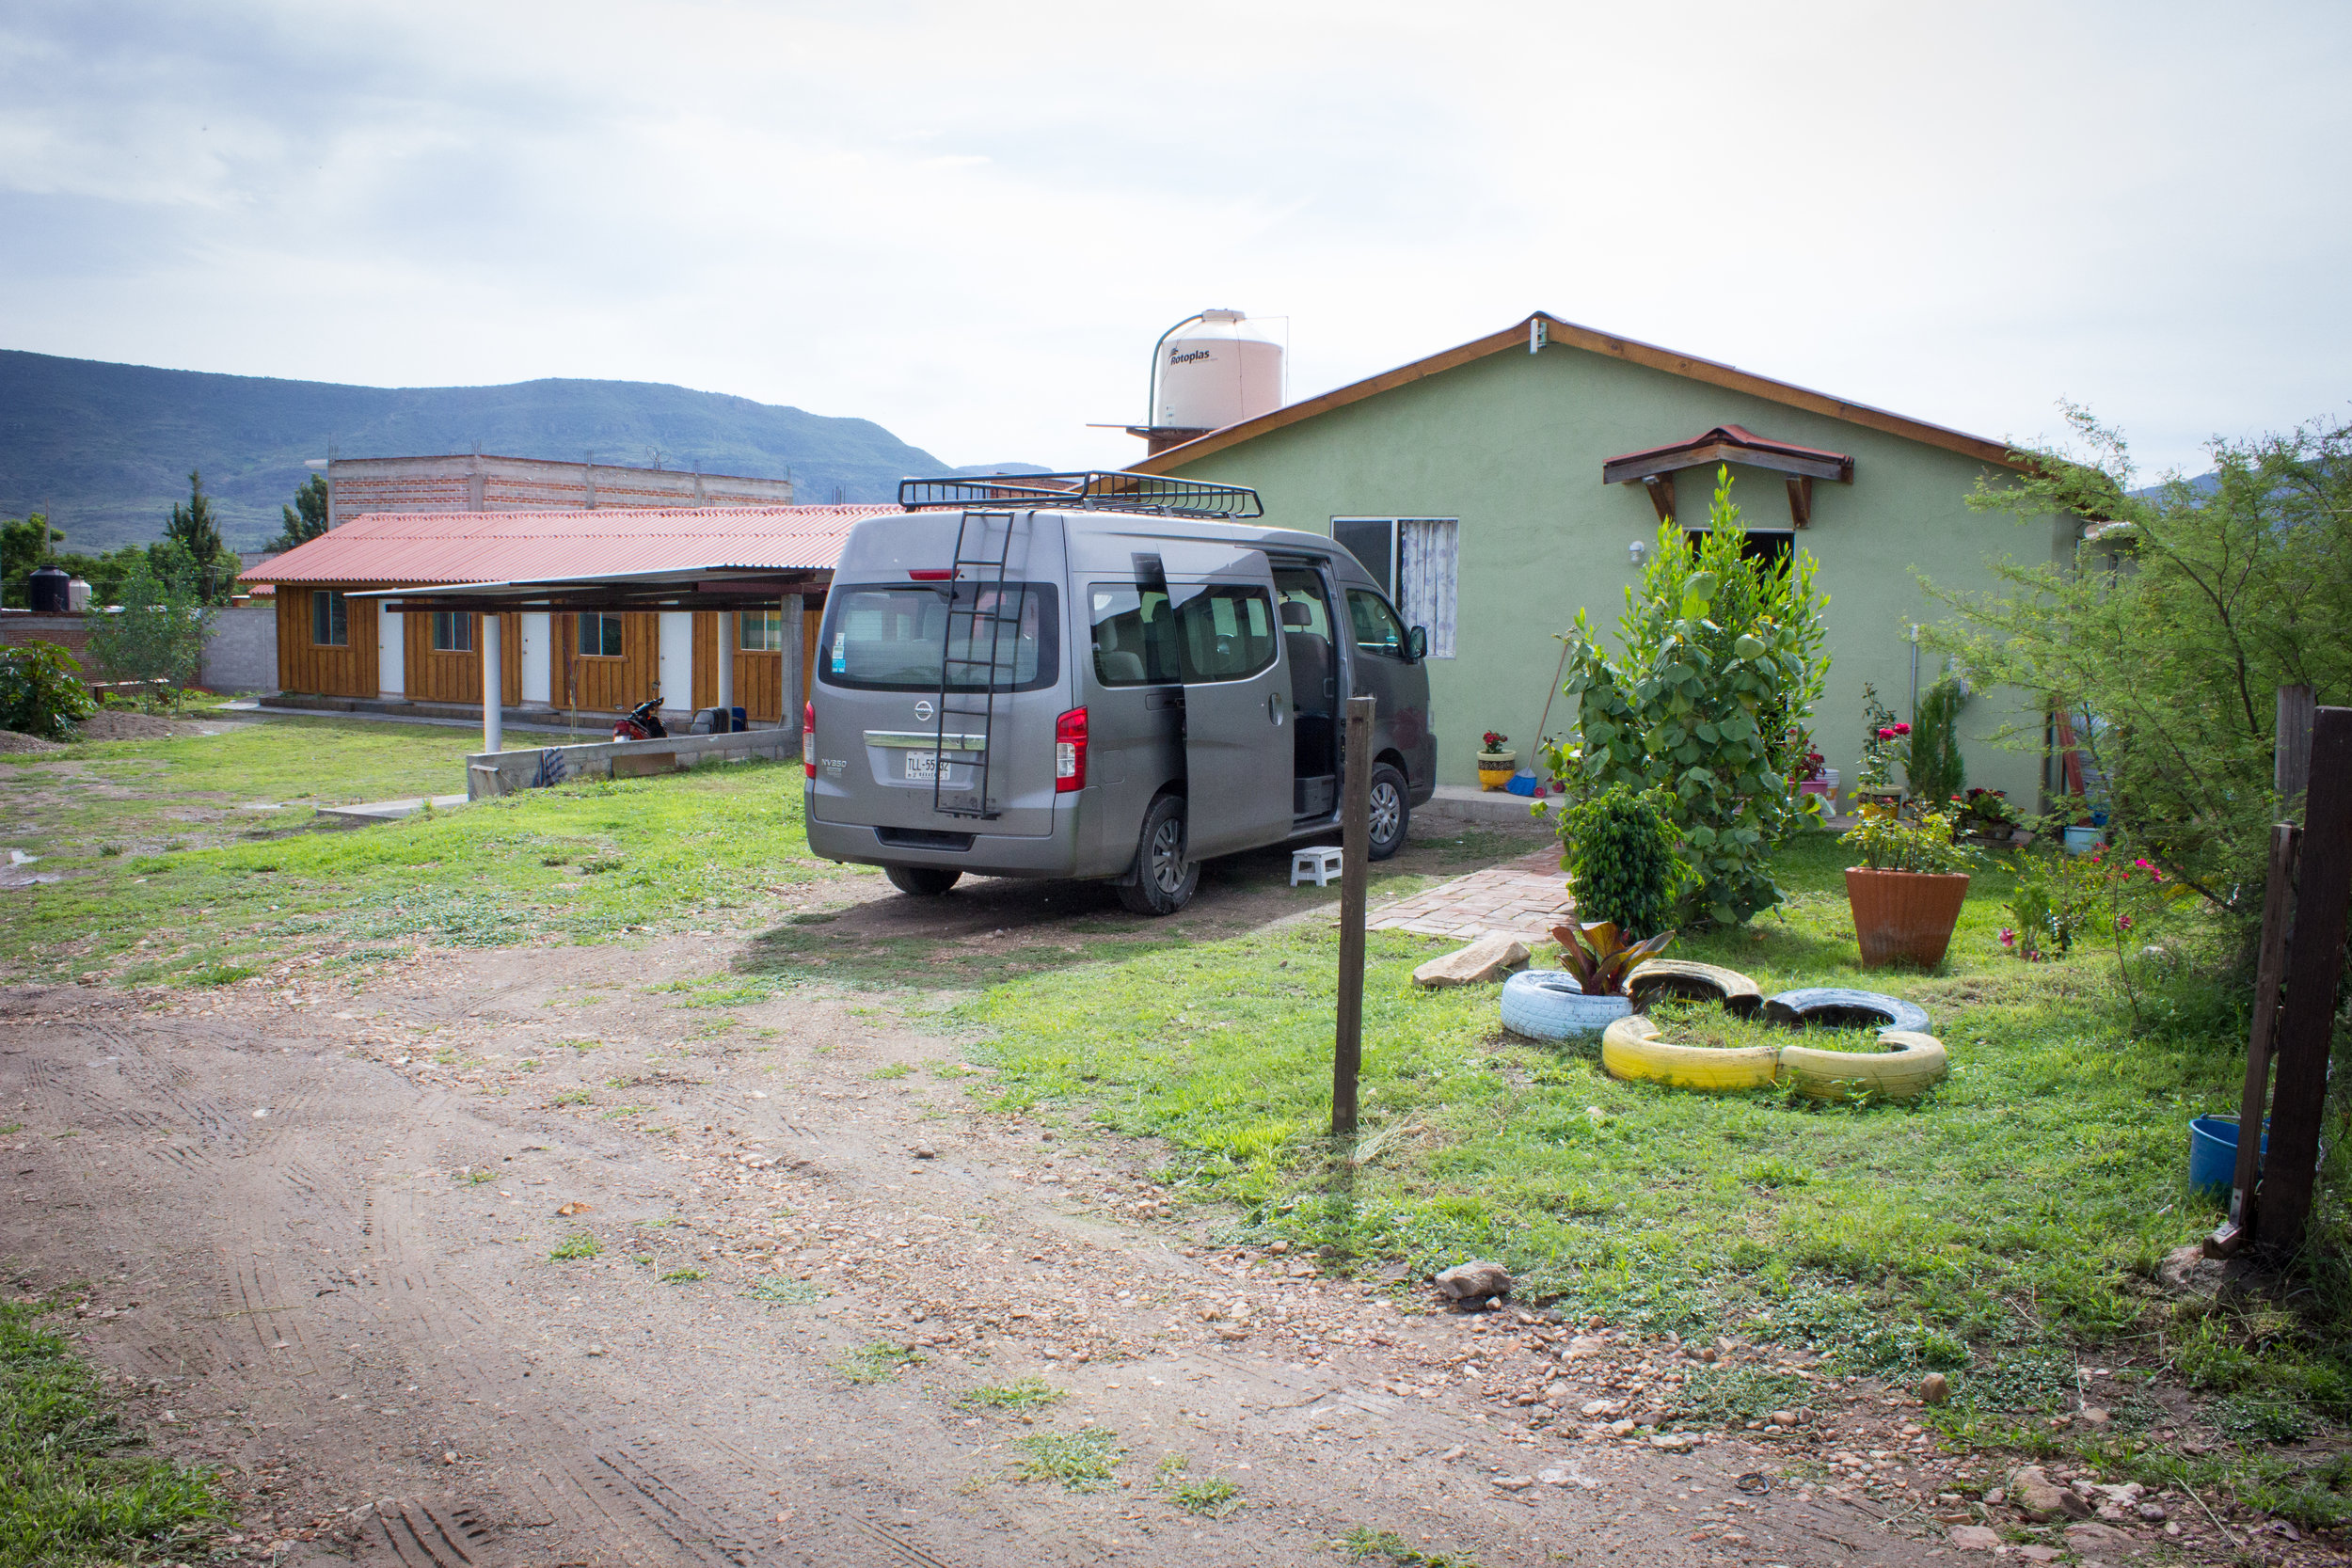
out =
column 2009, row 937
column 2123, row 922
column 1902, row 729
column 1887, row 735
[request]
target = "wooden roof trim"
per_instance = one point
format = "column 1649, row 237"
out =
column 1651, row 356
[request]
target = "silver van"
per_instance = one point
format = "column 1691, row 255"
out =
column 1098, row 675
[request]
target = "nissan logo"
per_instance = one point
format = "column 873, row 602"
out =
column 923, row 712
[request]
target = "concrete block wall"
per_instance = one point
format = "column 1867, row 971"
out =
column 241, row 655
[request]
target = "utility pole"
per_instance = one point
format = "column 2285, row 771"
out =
column 1355, row 873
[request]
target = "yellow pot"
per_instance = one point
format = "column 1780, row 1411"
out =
column 1494, row 778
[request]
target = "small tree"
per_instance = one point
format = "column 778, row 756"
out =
column 1723, row 660
column 2166, row 636
column 1934, row 768
column 24, row 545
column 157, row 637
column 306, row 520
column 194, row 531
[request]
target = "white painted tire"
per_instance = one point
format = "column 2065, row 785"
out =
column 1549, row 1004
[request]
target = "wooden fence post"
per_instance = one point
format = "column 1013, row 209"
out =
column 1355, row 873
column 2315, row 963
column 2291, row 747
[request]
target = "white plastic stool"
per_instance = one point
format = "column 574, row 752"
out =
column 1322, row 862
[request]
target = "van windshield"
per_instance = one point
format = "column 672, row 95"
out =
column 897, row 637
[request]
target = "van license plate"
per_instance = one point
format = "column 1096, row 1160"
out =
column 923, row 766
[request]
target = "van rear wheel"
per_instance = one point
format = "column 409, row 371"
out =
column 1164, row 876
column 924, row 882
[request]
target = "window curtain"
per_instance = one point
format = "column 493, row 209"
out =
column 1428, row 550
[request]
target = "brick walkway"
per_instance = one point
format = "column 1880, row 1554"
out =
column 1526, row 897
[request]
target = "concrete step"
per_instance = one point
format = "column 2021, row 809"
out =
column 1489, row 808
column 388, row 811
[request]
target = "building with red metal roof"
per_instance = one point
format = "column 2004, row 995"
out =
column 606, row 608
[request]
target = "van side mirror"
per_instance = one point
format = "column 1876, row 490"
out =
column 1416, row 643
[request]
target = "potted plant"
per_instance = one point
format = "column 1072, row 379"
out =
column 1987, row 814
column 1495, row 764
column 1885, row 746
column 1906, row 895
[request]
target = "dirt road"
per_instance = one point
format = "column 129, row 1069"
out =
column 315, row 1212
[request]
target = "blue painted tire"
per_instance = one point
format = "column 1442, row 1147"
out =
column 1548, row 1004
column 1834, row 1005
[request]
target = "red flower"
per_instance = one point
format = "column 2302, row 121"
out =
column 1887, row 735
column 1902, row 729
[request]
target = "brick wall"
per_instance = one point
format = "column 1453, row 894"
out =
column 484, row 484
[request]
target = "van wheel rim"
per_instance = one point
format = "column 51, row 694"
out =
column 1167, row 856
column 1386, row 809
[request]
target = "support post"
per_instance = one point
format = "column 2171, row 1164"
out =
column 2254, row 1100
column 1355, row 877
column 2315, row 965
column 795, row 681
column 2291, row 747
column 723, row 678
column 493, row 686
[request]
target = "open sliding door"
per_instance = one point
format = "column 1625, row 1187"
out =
column 1237, row 696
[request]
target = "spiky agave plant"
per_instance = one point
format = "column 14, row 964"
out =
column 1599, row 956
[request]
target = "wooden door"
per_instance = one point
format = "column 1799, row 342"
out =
column 758, row 677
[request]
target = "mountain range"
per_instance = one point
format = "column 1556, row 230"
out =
column 105, row 450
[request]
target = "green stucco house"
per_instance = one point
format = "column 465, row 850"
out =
column 1502, row 484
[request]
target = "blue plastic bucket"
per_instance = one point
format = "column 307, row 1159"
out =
column 2213, row 1152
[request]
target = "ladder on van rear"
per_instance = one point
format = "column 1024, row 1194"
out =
column 969, row 686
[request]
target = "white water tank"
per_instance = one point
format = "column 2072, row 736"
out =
column 1219, row 371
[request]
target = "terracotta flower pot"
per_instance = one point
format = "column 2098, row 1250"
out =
column 1900, row 915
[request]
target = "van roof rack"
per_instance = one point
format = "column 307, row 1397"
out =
column 1094, row 490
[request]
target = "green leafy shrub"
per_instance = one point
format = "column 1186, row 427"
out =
column 41, row 691
column 1934, row 768
column 2057, row 898
column 1618, row 851
column 1722, row 661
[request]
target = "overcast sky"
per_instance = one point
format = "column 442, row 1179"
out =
column 969, row 222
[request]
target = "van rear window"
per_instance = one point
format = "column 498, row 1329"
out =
column 895, row 637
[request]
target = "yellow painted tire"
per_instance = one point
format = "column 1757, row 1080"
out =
column 1700, row 982
column 1913, row 1064
column 1630, row 1049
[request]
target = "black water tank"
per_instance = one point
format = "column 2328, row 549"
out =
column 46, row 589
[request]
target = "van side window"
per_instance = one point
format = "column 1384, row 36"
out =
column 1226, row 630
column 1376, row 628
column 1134, row 635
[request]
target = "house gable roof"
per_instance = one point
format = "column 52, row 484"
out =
column 1543, row 327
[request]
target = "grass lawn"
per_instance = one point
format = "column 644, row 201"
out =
column 2016, row 1211
column 582, row 861
column 71, row 1489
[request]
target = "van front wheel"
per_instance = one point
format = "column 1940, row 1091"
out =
column 1391, row 813
column 1164, row 876
column 924, row 882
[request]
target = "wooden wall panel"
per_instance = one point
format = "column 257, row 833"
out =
column 349, row 670
column 437, row 676
column 595, row 684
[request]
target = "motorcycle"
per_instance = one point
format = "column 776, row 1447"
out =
column 642, row 723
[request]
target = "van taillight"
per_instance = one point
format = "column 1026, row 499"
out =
column 1069, row 752
column 808, row 737
column 933, row 574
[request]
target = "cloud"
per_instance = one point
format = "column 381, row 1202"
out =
column 969, row 222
